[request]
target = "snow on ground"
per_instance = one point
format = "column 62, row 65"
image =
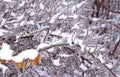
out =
column 56, row 62
column 6, row 52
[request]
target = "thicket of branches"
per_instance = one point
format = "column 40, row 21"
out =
column 76, row 38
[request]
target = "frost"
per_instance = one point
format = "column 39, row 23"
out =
column 100, row 57
column 7, row 0
column 2, row 32
column 70, row 39
column 78, row 5
column 51, row 50
column 53, row 18
column 4, row 68
column 19, row 18
column 3, row 22
column 41, row 6
column 65, row 55
column 31, row 22
column 110, row 65
column 56, row 62
column 22, row 4
column 63, row 17
column 42, row 45
column 95, row 19
column 74, row 16
column 64, row 2
column 83, row 67
column 76, row 26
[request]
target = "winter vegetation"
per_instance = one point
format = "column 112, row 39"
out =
column 59, row 38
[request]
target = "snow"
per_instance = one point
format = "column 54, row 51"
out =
column 64, row 2
column 78, row 5
column 22, row 4
column 74, row 16
column 83, row 66
column 42, row 45
column 51, row 50
column 56, row 62
column 4, row 68
column 53, row 18
column 70, row 39
column 19, row 18
column 42, row 6
column 18, row 58
column 95, row 19
column 57, row 32
column 2, row 32
column 63, row 17
column 31, row 22
column 7, row 0
column 3, row 22
column 26, row 54
column 6, row 52
column 80, row 43
column 65, row 55
column 76, row 26
column 110, row 65
column 100, row 57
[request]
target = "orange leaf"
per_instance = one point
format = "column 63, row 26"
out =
column 2, row 61
column 35, row 61
column 19, row 65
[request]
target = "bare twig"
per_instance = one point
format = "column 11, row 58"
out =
column 54, row 45
column 115, row 48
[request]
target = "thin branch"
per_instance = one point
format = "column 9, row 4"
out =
column 103, row 3
column 115, row 48
column 55, row 45
column 110, row 70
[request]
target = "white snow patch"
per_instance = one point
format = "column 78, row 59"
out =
column 22, row 4
column 41, row 6
column 65, row 55
column 22, row 23
column 4, row 68
column 19, row 18
column 103, row 25
column 74, row 16
column 64, row 2
column 95, row 19
column 110, row 65
column 26, row 54
column 32, row 13
column 42, row 45
column 51, row 50
column 6, row 52
column 2, row 32
column 83, row 67
column 63, row 17
column 31, row 22
column 52, row 20
column 80, row 43
column 57, row 32
column 7, row 0
column 76, row 26
column 70, row 39
column 100, row 57
column 56, row 62
column 78, row 5
column 3, row 21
